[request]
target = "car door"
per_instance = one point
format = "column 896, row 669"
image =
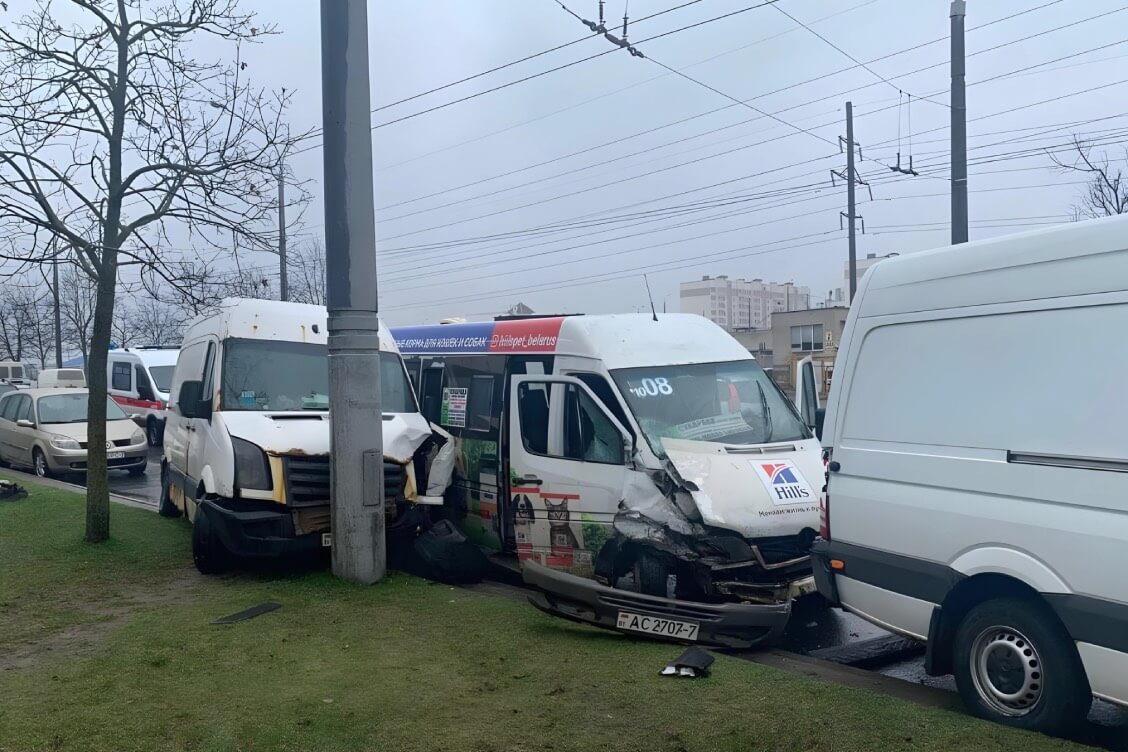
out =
column 189, row 367
column 199, row 429
column 568, row 466
column 24, row 435
column 8, row 406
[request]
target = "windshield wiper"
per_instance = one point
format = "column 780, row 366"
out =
column 766, row 411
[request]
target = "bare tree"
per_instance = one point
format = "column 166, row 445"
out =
column 17, row 309
column 1107, row 192
column 119, row 145
column 77, row 300
column 41, row 326
column 307, row 273
column 123, row 328
column 157, row 323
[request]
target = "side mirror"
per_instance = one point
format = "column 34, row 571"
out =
column 25, row 423
column 820, row 417
column 191, row 402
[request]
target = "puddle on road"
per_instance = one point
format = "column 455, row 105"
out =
column 815, row 627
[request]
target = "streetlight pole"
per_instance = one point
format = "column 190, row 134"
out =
column 959, row 125
column 356, row 448
column 283, row 282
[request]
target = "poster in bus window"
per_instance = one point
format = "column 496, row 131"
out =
column 454, row 407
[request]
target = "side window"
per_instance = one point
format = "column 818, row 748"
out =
column 120, row 377
column 209, row 373
column 144, row 388
column 480, row 403
column 3, row 372
column 9, row 407
column 431, row 393
column 532, row 406
column 23, row 412
column 589, row 435
column 599, row 386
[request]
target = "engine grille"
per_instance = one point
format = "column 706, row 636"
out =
column 307, row 481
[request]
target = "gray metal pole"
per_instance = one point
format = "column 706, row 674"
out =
column 850, row 198
column 357, row 507
column 283, row 282
column 58, row 313
column 959, row 126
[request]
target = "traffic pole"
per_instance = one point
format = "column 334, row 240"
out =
column 357, row 504
column 850, row 203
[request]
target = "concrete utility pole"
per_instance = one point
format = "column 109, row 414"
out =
column 283, row 283
column 959, row 126
column 357, row 506
column 851, row 218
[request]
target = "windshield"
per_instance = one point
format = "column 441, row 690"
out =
column 162, row 377
column 71, row 408
column 283, row 376
column 733, row 403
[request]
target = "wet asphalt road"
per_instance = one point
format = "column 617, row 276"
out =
column 816, row 631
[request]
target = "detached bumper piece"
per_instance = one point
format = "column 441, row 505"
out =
column 578, row 599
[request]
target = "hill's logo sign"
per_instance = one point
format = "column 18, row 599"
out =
column 784, row 482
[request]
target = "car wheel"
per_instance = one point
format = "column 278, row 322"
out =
column 165, row 507
column 1016, row 664
column 208, row 552
column 153, row 432
column 651, row 575
column 39, row 463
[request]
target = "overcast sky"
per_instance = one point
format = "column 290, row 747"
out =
column 780, row 221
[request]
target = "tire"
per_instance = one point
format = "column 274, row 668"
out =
column 208, row 553
column 651, row 575
column 165, row 507
column 39, row 464
column 1015, row 664
column 154, row 433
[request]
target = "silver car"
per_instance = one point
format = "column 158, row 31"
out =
column 45, row 430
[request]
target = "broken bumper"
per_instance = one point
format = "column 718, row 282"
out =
column 732, row 625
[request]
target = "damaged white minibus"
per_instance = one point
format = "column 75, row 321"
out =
column 644, row 470
column 246, row 451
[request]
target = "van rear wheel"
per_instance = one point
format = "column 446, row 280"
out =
column 153, row 432
column 1015, row 664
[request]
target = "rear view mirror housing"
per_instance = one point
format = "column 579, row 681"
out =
column 191, row 402
column 25, row 423
column 820, row 417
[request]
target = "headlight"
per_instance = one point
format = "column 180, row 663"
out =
column 64, row 442
column 138, row 437
column 252, row 471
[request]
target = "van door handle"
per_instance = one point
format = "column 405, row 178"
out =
column 833, row 467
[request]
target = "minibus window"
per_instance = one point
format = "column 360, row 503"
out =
column 162, row 377
column 730, row 402
column 480, row 403
column 599, row 386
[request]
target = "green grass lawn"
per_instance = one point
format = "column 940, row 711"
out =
column 109, row 647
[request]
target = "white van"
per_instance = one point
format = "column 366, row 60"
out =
column 74, row 378
column 977, row 492
column 627, row 450
column 246, row 451
column 15, row 373
column 139, row 380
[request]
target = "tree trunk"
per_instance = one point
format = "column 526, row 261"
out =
column 97, row 480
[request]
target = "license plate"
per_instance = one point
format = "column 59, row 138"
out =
column 656, row 625
column 326, row 540
column 114, row 455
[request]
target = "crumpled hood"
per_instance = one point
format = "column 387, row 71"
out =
column 759, row 492
column 308, row 432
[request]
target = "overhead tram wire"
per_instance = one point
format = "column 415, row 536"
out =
column 723, row 153
column 550, row 70
column 765, row 94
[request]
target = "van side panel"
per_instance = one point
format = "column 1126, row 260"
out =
column 958, row 434
column 897, row 612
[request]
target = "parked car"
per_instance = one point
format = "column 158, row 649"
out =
column 139, row 379
column 976, row 490
column 45, row 430
column 5, row 387
column 61, row 377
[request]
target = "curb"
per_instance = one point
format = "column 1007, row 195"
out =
column 28, row 478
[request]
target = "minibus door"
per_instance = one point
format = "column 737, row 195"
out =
column 568, row 463
column 807, row 395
